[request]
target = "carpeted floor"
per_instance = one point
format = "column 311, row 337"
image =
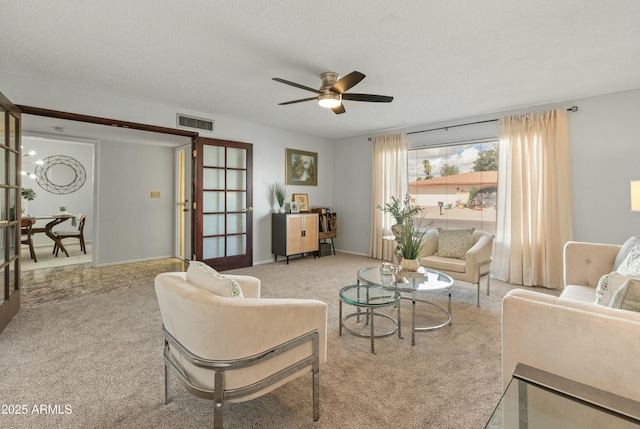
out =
column 95, row 361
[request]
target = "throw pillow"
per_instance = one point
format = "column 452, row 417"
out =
column 628, row 296
column 631, row 264
column 454, row 243
column 608, row 286
column 624, row 250
column 202, row 275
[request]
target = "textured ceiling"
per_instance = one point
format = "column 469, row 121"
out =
column 440, row 59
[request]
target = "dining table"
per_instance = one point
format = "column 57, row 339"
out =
column 54, row 220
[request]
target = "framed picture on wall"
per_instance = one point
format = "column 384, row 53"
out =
column 302, row 200
column 301, row 168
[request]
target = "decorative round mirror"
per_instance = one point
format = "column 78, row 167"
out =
column 60, row 174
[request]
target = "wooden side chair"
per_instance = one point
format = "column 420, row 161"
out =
column 78, row 234
column 26, row 235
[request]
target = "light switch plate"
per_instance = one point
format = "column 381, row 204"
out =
column 155, row 194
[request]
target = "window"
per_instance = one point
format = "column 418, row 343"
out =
column 457, row 185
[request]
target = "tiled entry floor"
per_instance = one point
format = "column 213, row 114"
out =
column 65, row 283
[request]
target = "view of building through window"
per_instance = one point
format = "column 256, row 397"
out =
column 457, row 185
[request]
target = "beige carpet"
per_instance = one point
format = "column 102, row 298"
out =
column 96, row 362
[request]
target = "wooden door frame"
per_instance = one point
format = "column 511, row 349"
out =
column 38, row 111
column 49, row 113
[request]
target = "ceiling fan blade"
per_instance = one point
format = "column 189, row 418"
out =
column 297, row 101
column 338, row 110
column 368, row 97
column 347, row 82
column 297, row 85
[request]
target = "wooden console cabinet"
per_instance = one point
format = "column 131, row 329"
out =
column 294, row 234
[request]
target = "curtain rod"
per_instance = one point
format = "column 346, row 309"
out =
column 570, row 109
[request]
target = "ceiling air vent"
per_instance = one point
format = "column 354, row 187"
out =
column 185, row 121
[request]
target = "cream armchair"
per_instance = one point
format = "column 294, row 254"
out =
column 477, row 262
column 237, row 349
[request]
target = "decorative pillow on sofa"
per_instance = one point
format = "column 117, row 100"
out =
column 454, row 243
column 630, row 266
column 628, row 296
column 202, row 275
column 624, row 250
column 609, row 285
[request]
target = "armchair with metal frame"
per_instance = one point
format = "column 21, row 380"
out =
column 237, row 349
column 475, row 265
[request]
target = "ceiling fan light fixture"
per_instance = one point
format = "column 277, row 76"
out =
column 334, row 90
column 329, row 100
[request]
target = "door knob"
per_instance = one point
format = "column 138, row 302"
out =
column 247, row 209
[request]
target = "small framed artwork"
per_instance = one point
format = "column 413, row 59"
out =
column 294, row 207
column 302, row 200
column 301, row 167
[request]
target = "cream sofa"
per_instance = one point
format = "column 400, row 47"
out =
column 570, row 335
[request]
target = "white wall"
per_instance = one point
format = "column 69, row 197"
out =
column 269, row 146
column 605, row 151
column 132, row 226
column 605, row 155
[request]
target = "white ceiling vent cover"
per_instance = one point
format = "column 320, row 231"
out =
column 185, row 121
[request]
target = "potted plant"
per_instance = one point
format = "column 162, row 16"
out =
column 280, row 192
column 63, row 209
column 28, row 195
column 400, row 210
column 411, row 239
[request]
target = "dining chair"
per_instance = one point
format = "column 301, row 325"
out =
column 26, row 235
column 79, row 234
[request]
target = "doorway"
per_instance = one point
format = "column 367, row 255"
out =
column 135, row 197
column 60, row 173
column 184, row 184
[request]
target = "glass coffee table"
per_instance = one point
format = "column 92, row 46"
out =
column 536, row 399
column 368, row 297
column 413, row 283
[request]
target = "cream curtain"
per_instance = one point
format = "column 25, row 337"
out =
column 534, row 201
column 389, row 179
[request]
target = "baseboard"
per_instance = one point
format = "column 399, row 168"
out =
column 133, row 261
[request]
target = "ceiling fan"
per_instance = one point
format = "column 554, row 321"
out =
column 333, row 91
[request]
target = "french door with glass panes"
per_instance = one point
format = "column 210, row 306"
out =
column 223, row 203
column 10, row 198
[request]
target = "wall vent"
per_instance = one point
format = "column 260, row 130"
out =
column 185, row 121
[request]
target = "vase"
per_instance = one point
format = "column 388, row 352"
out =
column 410, row 264
column 397, row 230
column 281, row 210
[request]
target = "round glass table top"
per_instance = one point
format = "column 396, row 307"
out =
column 368, row 295
column 423, row 280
